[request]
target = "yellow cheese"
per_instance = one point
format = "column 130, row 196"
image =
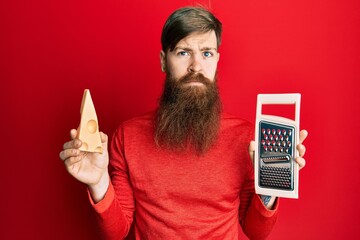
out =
column 88, row 130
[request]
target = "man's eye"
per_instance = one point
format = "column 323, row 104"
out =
column 208, row 54
column 183, row 53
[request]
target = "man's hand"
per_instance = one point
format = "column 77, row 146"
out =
column 300, row 147
column 270, row 200
column 87, row 167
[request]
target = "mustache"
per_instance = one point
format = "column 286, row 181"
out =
column 194, row 77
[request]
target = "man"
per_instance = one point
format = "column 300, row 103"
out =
column 185, row 170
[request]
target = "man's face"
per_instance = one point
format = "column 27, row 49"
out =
column 196, row 53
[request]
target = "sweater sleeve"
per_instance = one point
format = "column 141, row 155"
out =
column 255, row 219
column 260, row 220
column 115, row 212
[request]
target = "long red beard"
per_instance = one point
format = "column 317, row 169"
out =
column 188, row 116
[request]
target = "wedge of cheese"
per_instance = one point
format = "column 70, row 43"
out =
column 88, row 130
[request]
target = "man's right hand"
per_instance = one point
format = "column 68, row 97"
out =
column 87, row 167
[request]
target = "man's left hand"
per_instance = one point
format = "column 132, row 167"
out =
column 300, row 147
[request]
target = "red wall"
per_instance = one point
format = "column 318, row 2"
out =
column 51, row 50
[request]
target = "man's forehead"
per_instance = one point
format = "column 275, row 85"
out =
column 199, row 40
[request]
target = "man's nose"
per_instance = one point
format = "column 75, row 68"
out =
column 195, row 64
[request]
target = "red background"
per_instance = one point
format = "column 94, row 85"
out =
column 51, row 51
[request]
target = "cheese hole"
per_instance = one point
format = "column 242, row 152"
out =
column 92, row 126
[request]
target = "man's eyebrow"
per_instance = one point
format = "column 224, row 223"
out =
column 190, row 50
column 183, row 48
column 208, row 48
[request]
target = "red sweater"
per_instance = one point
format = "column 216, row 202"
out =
column 182, row 196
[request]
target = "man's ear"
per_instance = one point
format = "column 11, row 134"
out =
column 218, row 56
column 163, row 60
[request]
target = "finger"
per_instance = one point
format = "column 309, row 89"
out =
column 76, row 143
column 69, row 162
column 301, row 161
column 73, row 133
column 68, row 153
column 301, row 149
column 252, row 150
column 302, row 136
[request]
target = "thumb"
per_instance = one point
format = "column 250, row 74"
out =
column 104, row 140
column 252, row 150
